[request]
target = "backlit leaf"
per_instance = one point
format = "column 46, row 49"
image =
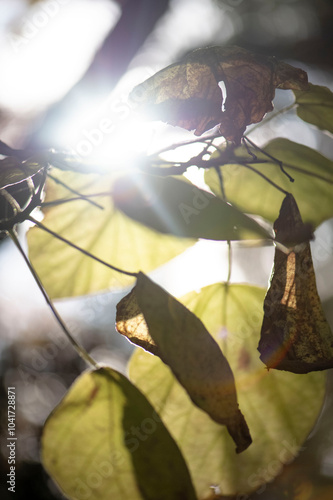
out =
column 187, row 93
column 174, row 206
column 316, row 106
column 313, row 186
column 184, row 344
column 280, row 407
column 295, row 334
column 104, row 440
column 106, row 233
column 131, row 323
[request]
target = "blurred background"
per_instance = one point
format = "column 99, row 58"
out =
column 67, row 64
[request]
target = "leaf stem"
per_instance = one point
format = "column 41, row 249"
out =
column 271, row 157
column 61, row 201
column 71, row 190
column 88, row 254
column 187, row 143
column 311, row 174
column 219, row 174
column 227, row 283
column 79, row 349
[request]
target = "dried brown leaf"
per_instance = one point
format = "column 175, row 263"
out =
column 295, row 334
column 187, row 93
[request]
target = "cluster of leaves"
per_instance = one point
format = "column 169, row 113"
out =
column 170, row 431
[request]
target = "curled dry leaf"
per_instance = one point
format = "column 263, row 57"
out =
column 181, row 340
column 295, row 334
column 187, row 93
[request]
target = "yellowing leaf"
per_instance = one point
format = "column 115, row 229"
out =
column 280, row 407
column 316, row 106
column 105, row 441
column 177, row 207
column 106, row 233
column 187, row 93
column 194, row 357
column 313, row 186
column 295, row 334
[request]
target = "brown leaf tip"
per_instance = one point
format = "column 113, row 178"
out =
column 239, row 432
column 289, row 227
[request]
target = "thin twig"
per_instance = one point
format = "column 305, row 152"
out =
column 219, row 174
column 187, row 143
column 88, row 254
column 71, row 190
column 246, row 165
column 275, row 160
column 227, row 283
column 311, row 174
column 254, row 157
column 180, row 168
column 77, row 198
column 229, row 261
column 79, row 349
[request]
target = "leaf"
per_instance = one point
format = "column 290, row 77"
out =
column 280, row 407
column 173, row 206
column 106, row 233
column 313, row 174
column 184, row 344
column 131, row 323
column 316, row 106
column 12, row 170
column 104, row 440
column 295, row 334
column 187, row 93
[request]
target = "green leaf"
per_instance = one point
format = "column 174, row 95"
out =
column 280, row 407
column 316, row 106
column 106, row 233
column 183, row 343
column 12, row 170
column 177, row 207
column 312, row 189
column 104, row 440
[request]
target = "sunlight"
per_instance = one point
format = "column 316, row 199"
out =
column 111, row 132
column 106, row 132
column 39, row 65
